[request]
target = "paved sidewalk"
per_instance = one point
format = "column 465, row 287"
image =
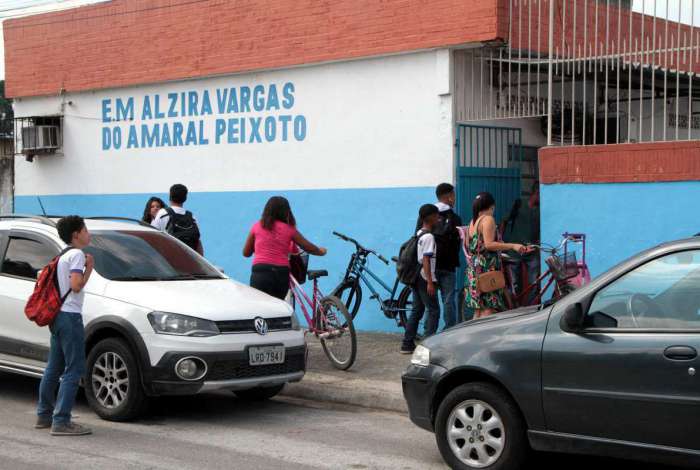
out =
column 374, row 381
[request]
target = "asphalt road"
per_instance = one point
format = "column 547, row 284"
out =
column 217, row 431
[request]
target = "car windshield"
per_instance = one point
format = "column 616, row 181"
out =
column 138, row 255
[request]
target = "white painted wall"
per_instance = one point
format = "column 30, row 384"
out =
column 384, row 122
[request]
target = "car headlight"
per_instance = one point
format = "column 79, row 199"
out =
column 421, row 356
column 181, row 325
column 295, row 322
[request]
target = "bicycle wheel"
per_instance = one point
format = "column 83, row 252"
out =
column 405, row 305
column 350, row 293
column 337, row 333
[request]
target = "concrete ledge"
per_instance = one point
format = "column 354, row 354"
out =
column 382, row 395
column 374, row 381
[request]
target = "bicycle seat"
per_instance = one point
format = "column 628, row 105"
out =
column 316, row 274
column 395, row 259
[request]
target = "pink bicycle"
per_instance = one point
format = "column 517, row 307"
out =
column 327, row 319
column 564, row 273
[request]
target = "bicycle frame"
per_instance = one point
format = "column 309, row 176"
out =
column 567, row 237
column 358, row 268
column 302, row 299
column 528, row 291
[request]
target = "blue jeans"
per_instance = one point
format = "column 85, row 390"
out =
column 421, row 300
column 447, row 284
column 67, row 363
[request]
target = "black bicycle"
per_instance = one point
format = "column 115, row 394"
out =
column 349, row 291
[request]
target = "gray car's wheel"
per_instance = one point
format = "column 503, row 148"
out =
column 478, row 426
column 259, row 393
column 112, row 381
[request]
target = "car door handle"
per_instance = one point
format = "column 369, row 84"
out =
column 680, row 353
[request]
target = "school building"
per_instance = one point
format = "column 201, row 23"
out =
column 355, row 110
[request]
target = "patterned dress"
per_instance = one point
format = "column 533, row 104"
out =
column 481, row 260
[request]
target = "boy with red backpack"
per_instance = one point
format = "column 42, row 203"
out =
column 66, row 364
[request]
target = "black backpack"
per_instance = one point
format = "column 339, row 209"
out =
column 408, row 267
column 445, row 227
column 183, row 227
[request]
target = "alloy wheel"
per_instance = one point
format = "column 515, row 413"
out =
column 110, row 380
column 476, row 434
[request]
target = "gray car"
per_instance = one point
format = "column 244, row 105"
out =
column 609, row 370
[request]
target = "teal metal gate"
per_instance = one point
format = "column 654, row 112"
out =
column 488, row 158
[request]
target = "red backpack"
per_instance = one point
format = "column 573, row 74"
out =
column 46, row 301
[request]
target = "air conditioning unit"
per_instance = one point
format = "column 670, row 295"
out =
column 40, row 140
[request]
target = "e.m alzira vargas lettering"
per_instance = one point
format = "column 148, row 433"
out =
column 170, row 130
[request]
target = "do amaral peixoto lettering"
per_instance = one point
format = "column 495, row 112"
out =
column 161, row 123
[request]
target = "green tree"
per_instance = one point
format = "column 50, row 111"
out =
column 6, row 113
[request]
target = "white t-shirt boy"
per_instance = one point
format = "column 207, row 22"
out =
column 73, row 261
column 427, row 247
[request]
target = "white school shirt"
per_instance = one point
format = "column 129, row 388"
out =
column 70, row 262
column 426, row 247
column 160, row 221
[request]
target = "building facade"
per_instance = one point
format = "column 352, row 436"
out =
column 353, row 110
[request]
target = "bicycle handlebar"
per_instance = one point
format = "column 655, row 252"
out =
column 574, row 237
column 360, row 247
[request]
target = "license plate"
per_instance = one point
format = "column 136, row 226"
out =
column 262, row 355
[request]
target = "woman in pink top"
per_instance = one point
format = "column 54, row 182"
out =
column 272, row 239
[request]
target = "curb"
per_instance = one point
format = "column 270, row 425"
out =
column 374, row 394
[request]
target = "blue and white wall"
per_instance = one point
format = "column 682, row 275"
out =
column 620, row 219
column 625, row 198
column 355, row 146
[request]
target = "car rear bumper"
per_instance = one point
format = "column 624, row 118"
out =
column 419, row 384
column 225, row 371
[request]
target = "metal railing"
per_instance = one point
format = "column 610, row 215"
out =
column 593, row 71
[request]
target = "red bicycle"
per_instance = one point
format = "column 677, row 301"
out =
column 564, row 273
column 327, row 319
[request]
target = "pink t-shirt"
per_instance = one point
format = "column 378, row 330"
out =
column 273, row 246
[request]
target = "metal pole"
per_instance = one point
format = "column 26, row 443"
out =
column 678, row 69
column 665, row 69
column 690, row 69
column 653, row 78
column 585, row 71
column 629, row 89
column 550, row 85
column 595, row 79
column 529, row 54
column 607, row 67
column 539, row 52
column 617, row 93
column 510, row 51
column 641, row 74
column 573, row 82
column 562, row 81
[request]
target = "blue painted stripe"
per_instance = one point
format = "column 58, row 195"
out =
column 620, row 219
column 379, row 218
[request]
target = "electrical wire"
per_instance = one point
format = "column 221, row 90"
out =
column 27, row 10
column 110, row 15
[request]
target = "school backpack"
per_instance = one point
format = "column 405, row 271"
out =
column 46, row 300
column 183, row 227
column 408, row 266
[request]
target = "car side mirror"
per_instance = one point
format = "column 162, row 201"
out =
column 572, row 320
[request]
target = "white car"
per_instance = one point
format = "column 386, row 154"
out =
column 159, row 319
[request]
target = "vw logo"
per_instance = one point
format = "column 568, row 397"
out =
column 260, row 326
